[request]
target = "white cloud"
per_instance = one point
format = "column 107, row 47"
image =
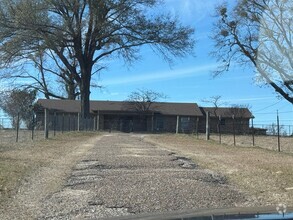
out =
column 192, row 10
column 249, row 99
column 163, row 75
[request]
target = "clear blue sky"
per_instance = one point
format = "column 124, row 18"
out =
column 190, row 79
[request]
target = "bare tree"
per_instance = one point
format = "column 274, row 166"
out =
column 50, row 77
column 48, row 65
column 216, row 102
column 257, row 33
column 88, row 31
column 18, row 102
column 141, row 100
column 273, row 129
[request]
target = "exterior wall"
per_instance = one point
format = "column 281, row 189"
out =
column 164, row 123
column 187, row 124
column 101, row 122
column 241, row 125
column 150, row 124
column 125, row 123
column 64, row 122
column 170, row 123
column 138, row 123
column 110, row 122
column 202, row 125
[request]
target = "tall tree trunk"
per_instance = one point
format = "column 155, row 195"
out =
column 71, row 91
column 85, row 98
column 85, row 92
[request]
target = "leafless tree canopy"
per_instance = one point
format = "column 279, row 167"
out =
column 258, row 33
column 142, row 99
column 81, row 33
column 215, row 101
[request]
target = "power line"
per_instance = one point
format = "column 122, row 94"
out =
column 273, row 113
column 267, row 107
column 273, row 120
column 286, row 112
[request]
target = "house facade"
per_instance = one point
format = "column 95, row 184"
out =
column 129, row 117
column 120, row 116
column 226, row 120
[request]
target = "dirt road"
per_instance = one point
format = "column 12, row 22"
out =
column 119, row 174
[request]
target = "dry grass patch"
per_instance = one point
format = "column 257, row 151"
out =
column 266, row 177
column 19, row 160
column 262, row 141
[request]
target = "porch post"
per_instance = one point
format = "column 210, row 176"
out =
column 207, row 126
column 152, row 122
column 98, row 121
column 46, row 126
column 177, row 124
column 78, row 122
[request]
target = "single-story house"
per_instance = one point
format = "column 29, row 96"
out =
column 228, row 120
column 121, row 115
column 138, row 117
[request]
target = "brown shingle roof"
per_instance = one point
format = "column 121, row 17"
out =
column 59, row 105
column 227, row 112
column 184, row 109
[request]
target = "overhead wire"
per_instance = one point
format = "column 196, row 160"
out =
column 267, row 107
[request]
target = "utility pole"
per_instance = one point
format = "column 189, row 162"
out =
column 278, row 128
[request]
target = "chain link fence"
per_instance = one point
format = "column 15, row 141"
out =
column 268, row 136
column 274, row 136
column 14, row 130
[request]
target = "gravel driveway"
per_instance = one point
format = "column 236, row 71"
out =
column 112, row 175
column 124, row 175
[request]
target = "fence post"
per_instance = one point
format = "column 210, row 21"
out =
column 33, row 126
column 197, row 121
column 78, row 122
column 207, row 126
column 69, row 122
column 278, row 128
column 252, row 126
column 74, row 128
column 219, row 129
column 233, row 117
column 177, row 124
column 54, row 124
column 17, row 127
column 98, row 121
column 62, row 126
column 46, row 124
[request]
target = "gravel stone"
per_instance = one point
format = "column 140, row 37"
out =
column 125, row 175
